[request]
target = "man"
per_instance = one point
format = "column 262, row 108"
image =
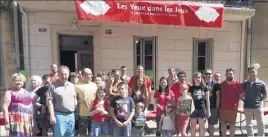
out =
column 148, row 84
column 177, row 86
column 124, row 77
column 213, row 119
column 61, row 100
column 217, row 77
column 172, row 78
column 228, row 98
column 86, row 93
column 43, row 118
column 254, row 95
column 54, row 73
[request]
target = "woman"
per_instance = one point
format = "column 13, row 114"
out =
column 139, row 92
column 18, row 109
column 74, row 77
column 162, row 97
column 112, row 85
column 200, row 97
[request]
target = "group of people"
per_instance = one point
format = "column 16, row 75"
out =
column 116, row 104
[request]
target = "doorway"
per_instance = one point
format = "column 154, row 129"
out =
column 76, row 52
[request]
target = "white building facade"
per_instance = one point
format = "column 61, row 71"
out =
column 54, row 36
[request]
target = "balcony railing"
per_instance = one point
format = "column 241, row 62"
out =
column 230, row 3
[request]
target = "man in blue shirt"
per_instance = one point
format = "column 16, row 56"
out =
column 254, row 94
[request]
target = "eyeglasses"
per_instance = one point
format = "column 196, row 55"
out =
column 123, row 70
column 208, row 73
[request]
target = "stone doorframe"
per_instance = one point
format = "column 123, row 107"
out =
column 86, row 31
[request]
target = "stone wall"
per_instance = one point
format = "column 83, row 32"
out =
column 8, row 52
column 174, row 43
column 260, row 38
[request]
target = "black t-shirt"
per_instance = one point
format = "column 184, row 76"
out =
column 123, row 107
column 198, row 95
column 213, row 96
column 41, row 92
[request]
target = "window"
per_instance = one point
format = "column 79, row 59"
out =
column 202, row 55
column 144, row 54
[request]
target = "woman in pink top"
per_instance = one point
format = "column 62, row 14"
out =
column 162, row 97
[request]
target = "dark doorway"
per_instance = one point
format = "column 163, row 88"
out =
column 68, row 59
column 76, row 52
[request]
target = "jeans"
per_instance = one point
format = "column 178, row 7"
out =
column 167, row 133
column 259, row 115
column 64, row 125
column 138, row 131
column 122, row 131
column 99, row 128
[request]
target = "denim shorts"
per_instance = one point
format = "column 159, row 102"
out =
column 199, row 113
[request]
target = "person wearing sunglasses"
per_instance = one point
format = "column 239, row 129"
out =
column 214, row 118
column 124, row 77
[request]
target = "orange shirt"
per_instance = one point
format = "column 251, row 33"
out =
column 54, row 77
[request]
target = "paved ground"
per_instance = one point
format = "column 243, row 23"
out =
column 152, row 124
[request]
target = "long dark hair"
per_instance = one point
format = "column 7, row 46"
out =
column 160, row 88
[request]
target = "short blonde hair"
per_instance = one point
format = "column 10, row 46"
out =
column 19, row 76
column 184, row 87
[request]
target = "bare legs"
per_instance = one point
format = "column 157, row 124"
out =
column 201, row 123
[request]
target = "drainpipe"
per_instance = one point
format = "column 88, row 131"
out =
column 26, row 23
column 16, row 34
column 2, row 78
column 249, row 45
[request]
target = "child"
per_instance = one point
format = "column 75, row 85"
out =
column 167, row 122
column 99, row 114
column 122, row 110
column 162, row 96
column 139, row 120
column 184, row 108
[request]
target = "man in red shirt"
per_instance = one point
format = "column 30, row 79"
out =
column 148, row 84
column 176, row 87
column 54, row 73
column 229, row 95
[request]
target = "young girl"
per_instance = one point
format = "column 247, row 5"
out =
column 167, row 121
column 139, row 92
column 200, row 97
column 184, row 108
column 99, row 115
column 139, row 121
column 162, row 97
